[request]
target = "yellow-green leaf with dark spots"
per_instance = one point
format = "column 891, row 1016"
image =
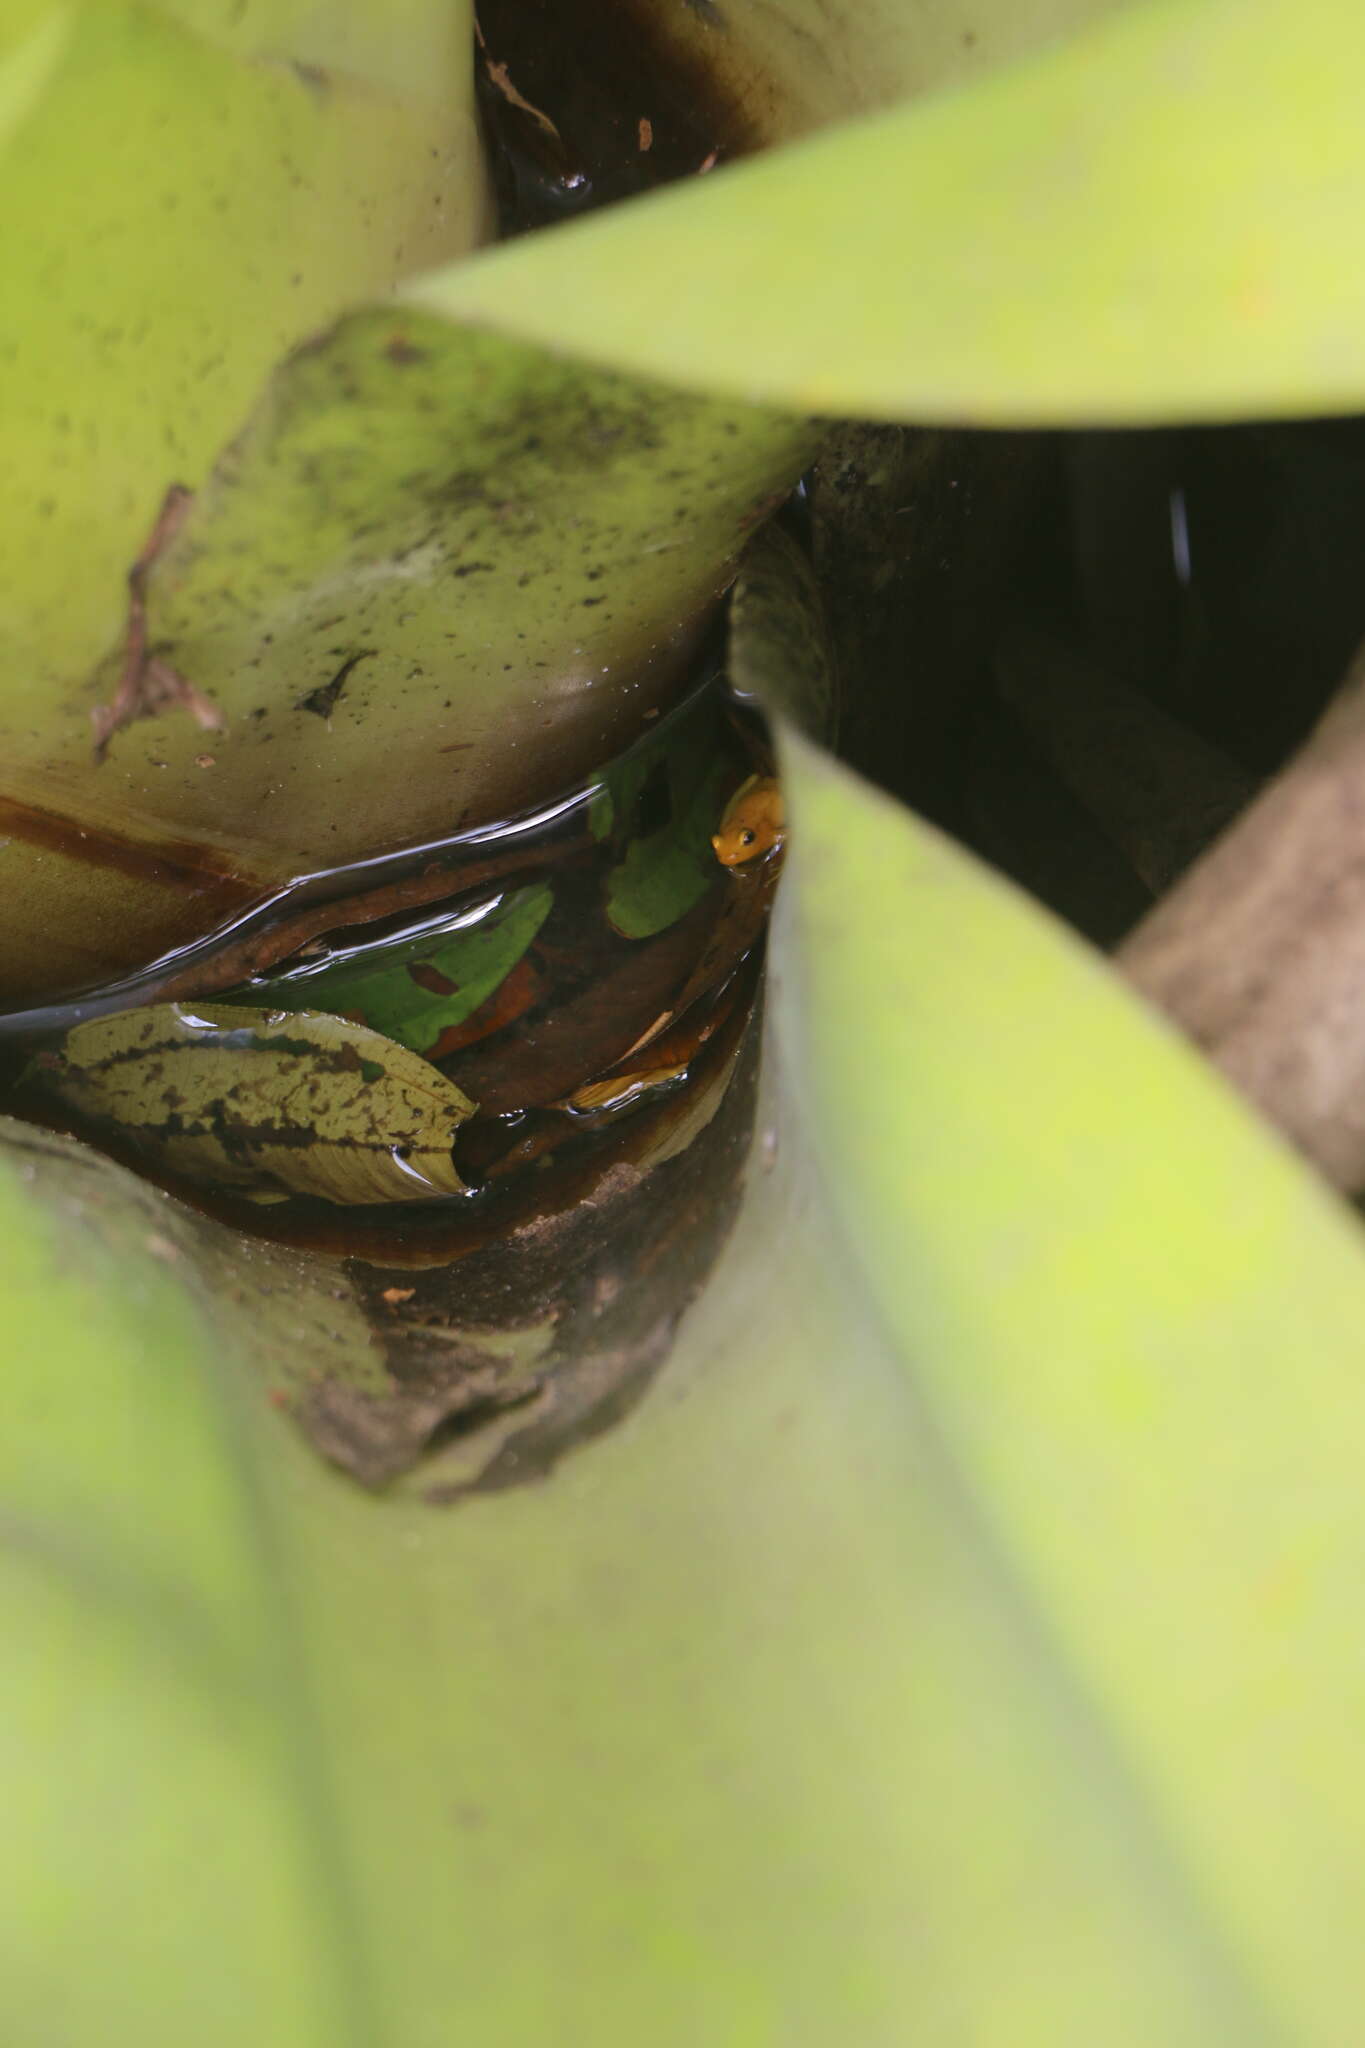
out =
column 253, row 1099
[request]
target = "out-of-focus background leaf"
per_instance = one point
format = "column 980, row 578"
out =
column 960, row 1637
column 798, row 65
column 1147, row 222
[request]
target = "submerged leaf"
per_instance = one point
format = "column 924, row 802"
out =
column 259, row 1100
column 666, row 871
column 414, row 988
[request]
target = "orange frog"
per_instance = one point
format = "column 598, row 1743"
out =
column 753, row 823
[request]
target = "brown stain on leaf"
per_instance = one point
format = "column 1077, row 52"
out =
column 148, row 685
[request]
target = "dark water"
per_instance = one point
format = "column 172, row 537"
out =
column 578, row 1000
column 610, row 110
column 1215, row 571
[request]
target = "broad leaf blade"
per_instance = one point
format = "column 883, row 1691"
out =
column 174, row 217
column 1133, row 1322
column 157, row 1742
column 983, row 1566
column 1147, row 222
column 418, row 989
column 428, row 544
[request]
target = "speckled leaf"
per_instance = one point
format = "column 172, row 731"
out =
column 394, row 985
column 175, row 215
column 419, row 47
column 429, row 544
column 260, row 1100
column 176, row 212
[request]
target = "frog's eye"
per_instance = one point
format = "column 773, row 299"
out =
column 747, row 836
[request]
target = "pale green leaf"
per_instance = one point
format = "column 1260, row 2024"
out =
column 1131, row 1326
column 32, row 38
column 794, row 65
column 1150, row 221
column 957, row 1643
column 174, row 217
column 429, row 544
column 421, row 47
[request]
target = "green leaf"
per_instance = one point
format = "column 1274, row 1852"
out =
column 175, row 216
column 157, row 1745
column 668, row 872
column 794, row 65
column 665, row 872
column 985, row 1565
column 260, row 1099
column 1144, row 223
column 32, row 39
column 428, row 544
column 1130, row 1323
column 176, row 213
column 419, row 47
column 393, row 984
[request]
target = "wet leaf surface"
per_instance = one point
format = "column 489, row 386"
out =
column 178, row 210
column 259, row 1100
column 669, row 806
column 413, row 542
column 526, row 547
column 416, row 989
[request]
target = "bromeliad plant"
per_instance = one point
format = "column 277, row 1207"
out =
column 958, row 1641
